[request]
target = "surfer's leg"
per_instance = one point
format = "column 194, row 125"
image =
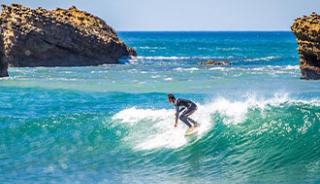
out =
column 193, row 122
column 184, row 119
column 188, row 113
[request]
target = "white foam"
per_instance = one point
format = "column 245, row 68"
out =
column 168, row 79
column 161, row 58
column 166, row 58
column 186, row 69
column 267, row 68
column 155, row 76
column 276, row 69
column 292, row 67
column 156, row 125
column 218, row 68
column 268, row 58
column 235, row 111
column 148, row 48
column 205, row 48
column 127, row 115
column 6, row 78
column 229, row 49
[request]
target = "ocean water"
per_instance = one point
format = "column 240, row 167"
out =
column 260, row 123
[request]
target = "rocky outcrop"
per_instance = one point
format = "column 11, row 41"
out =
column 216, row 63
column 307, row 32
column 3, row 63
column 61, row 37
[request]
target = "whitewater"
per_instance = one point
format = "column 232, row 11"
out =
column 260, row 123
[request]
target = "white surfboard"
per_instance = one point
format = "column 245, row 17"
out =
column 188, row 133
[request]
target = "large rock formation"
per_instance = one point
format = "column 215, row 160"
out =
column 39, row 37
column 307, row 32
column 3, row 63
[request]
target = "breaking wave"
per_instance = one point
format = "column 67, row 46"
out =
column 156, row 125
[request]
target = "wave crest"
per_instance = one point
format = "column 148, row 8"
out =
column 156, row 125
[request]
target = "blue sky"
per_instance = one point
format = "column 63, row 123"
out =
column 189, row 15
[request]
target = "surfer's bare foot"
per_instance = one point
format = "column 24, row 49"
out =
column 196, row 125
column 190, row 129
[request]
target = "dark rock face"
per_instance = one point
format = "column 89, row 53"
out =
column 3, row 63
column 40, row 37
column 307, row 32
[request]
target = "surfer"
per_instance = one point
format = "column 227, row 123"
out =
column 186, row 108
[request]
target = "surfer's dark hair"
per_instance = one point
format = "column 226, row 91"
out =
column 171, row 96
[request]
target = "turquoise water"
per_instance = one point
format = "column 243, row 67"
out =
column 260, row 123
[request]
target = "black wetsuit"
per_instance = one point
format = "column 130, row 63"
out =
column 188, row 108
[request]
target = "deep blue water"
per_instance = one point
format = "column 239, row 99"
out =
column 112, row 123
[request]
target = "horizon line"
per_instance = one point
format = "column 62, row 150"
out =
column 282, row 30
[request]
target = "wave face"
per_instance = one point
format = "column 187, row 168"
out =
column 112, row 124
column 244, row 140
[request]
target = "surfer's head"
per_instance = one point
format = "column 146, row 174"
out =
column 171, row 98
